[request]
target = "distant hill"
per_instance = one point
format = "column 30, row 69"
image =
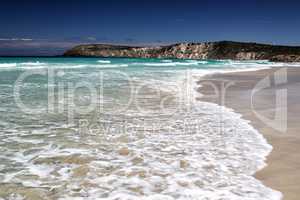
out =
column 205, row 50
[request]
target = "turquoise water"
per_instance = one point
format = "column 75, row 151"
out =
column 116, row 128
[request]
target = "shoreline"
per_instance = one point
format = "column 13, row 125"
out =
column 282, row 172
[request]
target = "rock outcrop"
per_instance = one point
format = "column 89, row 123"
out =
column 206, row 50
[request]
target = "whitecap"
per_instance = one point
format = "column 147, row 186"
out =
column 197, row 61
column 165, row 64
column 103, row 66
column 167, row 61
column 110, row 66
column 7, row 65
column 104, row 61
column 32, row 63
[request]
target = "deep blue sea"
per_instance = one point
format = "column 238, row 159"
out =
column 117, row 128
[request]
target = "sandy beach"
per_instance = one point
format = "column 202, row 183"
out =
column 282, row 172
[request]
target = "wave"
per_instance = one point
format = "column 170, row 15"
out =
column 38, row 65
column 102, row 66
column 214, row 160
column 202, row 163
column 167, row 61
column 198, row 61
column 7, row 65
column 167, row 64
column 104, row 61
column 33, row 63
column 24, row 65
column 111, row 66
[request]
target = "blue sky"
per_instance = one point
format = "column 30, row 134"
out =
column 50, row 27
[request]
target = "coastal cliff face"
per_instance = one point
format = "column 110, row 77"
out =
column 207, row 50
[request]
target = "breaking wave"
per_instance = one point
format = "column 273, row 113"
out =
column 104, row 61
column 7, row 65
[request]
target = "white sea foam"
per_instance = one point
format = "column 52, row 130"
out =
column 20, row 65
column 197, row 61
column 37, row 63
column 214, row 160
column 34, row 66
column 110, row 66
column 103, row 66
column 167, row 61
column 7, row 65
column 214, row 157
column 104, row 61
column 173, row 63
column 167, row 64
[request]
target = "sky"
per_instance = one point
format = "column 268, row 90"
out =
column 50, row 27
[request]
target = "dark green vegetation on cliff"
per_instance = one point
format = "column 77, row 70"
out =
column 206, row 50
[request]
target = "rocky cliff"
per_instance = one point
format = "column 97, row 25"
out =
column 206, row 50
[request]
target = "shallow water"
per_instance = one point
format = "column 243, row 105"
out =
column 91, row 128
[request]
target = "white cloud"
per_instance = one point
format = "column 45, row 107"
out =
column 16, row 39
column 91, row 38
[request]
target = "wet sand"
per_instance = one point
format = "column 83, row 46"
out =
column 283, row 170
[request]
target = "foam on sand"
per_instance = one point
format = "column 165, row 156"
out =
column 214, row 158
column 185, row 149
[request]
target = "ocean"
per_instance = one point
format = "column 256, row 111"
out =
column 117, row 128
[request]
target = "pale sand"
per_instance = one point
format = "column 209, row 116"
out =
column 283, row 170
